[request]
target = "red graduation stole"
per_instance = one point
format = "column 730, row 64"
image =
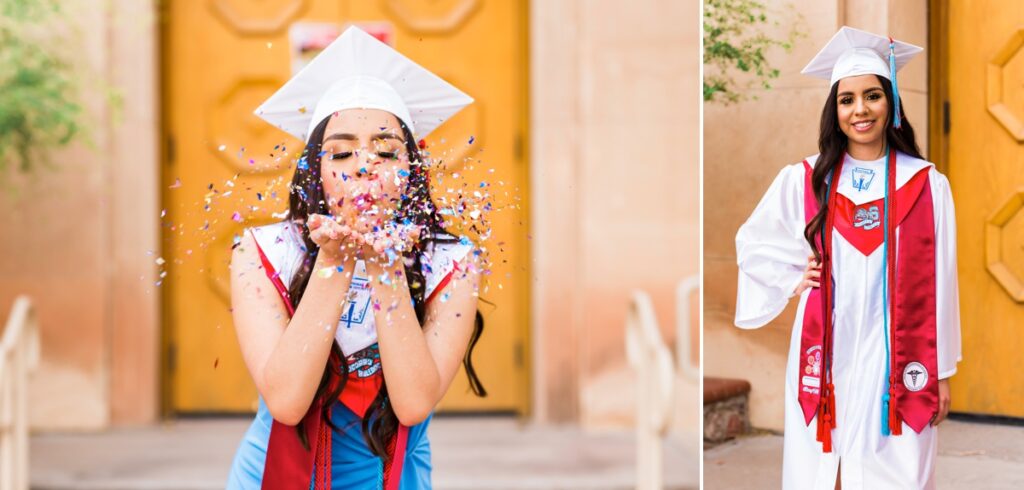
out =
column 288, row 464
column 913, row 382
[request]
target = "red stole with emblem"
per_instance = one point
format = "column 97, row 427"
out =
column 913, row 382
column 288, row 464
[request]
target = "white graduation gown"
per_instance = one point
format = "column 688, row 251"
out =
column 772, row 255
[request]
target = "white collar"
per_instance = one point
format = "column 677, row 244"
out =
column 906, row 167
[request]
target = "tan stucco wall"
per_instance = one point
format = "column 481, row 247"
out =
column 614, row 187
column 745, row 146
column 78, row 239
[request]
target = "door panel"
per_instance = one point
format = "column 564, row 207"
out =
column 986, row 171
column 220, row 61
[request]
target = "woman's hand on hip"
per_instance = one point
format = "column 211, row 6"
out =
column 812, row 276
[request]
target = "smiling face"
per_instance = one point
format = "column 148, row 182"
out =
column 863, row 110
column 364, row 166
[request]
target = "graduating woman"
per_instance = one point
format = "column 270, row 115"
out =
column 354, row 313
column 864, row 233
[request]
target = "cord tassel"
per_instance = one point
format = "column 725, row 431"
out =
column 832, row 404
column 826, row 418
column 830, row 408
column 824, row 428
column 896, row 123
column 891, row 425
column 827, row 401
column 826, row 441
column 895, row 423
column 830, row 421
column 885, row 414
column 821, row 421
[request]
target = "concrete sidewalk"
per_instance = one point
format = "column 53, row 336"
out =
column 971, row 455
column 468, row 453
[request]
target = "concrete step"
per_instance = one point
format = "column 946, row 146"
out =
column 469, row 452
column 725, row 409
column 971, row 455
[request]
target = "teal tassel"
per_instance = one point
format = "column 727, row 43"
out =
column 885, row 289
column 896, row 123
column 885, row 410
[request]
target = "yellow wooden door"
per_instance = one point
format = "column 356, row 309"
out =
column 985, row 163
column 221, row 58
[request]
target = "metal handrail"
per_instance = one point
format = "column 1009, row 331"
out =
column 656, row 384
column 652, row 360
column 19, row 354
column 684, row 356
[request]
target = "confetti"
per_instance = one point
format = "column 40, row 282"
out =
column 462, row 202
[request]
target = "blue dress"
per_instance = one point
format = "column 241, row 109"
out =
column 353, row 465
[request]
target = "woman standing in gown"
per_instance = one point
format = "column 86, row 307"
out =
column 864, row 234
column 355, row 312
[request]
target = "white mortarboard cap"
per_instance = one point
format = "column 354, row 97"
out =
column 357, row 71
column 852, row 52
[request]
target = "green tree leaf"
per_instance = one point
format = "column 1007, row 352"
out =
column 735, row 46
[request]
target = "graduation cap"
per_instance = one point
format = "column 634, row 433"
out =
column 853, row 52
column 357, row 71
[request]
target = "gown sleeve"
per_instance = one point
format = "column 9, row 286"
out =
column 441, row 262
column 947, row 295
column 771, row 251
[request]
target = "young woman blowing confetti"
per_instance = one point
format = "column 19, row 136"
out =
column 355, row 312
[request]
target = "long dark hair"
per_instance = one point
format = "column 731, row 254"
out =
column 832, row 147
column 307, row 197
